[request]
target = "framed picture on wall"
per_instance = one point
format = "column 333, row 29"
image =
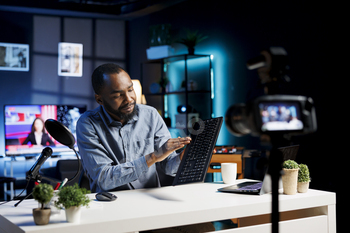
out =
column 14, row 57
column 70, row 59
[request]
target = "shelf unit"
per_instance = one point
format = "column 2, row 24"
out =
column 190, row 84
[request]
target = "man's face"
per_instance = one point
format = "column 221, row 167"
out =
column 118, row 96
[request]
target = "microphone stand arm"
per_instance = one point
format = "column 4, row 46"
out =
column 38, row 179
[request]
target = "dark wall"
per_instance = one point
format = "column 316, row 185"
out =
column 15, row 28
column 103, row 41
column 238, row 31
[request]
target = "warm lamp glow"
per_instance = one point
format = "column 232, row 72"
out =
column 138, row 91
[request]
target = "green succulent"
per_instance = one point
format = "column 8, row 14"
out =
column 70, row 196
column 290, row 164
column 303, row 173
column 43, row 193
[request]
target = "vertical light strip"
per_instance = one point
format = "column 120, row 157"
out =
column 165, row 70
column 166, row 106
column 165, row 67
column 212, row 82
column 212, row 78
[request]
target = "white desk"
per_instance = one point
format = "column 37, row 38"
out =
column 138, row 210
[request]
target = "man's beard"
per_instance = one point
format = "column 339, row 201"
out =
column 125, row 117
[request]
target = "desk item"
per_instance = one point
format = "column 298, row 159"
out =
column 314, row 211
column 245, row 187
column 217, row 159
column 229, row 172
column 57, row 186
column 105, row 196
column 259, row 187
column 64, row 136
column 198, row 153
column 34, row 171
column 51, row 204
column 64, row 182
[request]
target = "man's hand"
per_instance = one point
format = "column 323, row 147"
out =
column 169, row 147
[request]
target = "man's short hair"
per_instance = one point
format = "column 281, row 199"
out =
column 97, row 75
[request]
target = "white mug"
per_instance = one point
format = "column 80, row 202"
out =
column 229, row 172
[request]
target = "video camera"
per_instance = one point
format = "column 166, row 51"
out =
column 272, row 113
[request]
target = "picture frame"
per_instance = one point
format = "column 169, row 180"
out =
column 70, row 59
column 14, row 57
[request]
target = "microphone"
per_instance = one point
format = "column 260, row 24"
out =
column 45, row 154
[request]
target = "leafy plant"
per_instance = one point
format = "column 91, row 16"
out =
column 159, row 34
column 192, row 38
column 163, row 82
column 290, row 164
column 303, row 173
column 72, row 196
column 43, row 193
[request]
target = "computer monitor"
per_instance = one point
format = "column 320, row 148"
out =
column 19, row 127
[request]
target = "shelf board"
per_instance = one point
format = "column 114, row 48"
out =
column 178, row 92
column 177, row 58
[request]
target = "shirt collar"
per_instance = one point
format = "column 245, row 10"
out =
column 111, row 121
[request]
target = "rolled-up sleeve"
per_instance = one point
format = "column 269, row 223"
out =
column 105, row 172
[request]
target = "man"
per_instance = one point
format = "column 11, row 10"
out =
column 120, row 141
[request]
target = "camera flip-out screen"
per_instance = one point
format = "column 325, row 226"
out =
column 280, row 116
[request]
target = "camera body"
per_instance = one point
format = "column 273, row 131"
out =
column 273, row 114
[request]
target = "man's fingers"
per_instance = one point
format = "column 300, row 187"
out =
column 177, row 143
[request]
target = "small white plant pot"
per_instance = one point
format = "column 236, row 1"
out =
column 303, row 187
column 290, row 181
column 73, row 214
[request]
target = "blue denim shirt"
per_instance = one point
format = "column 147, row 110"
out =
column 113, row 155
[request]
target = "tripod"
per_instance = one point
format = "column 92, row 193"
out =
column 275, row 169
column 37, row 179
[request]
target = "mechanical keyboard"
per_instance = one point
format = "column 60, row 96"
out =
column 198, row 153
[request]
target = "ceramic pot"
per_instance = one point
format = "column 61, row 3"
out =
column 73, row 214
column 303, row 187
column 290, row 181
column 190, row 50
column 41, row 216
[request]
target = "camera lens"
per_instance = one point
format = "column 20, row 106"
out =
column 236, row 120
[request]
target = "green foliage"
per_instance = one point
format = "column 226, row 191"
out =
column 290, row 164
column 163, row 82
column 159, row 34
column 303, row 173
column 43, row 193
column 192, row 38
column 72, row 196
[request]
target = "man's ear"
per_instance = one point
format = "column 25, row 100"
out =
column 98, row 99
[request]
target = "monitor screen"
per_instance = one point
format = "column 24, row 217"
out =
column 280, row 116
column 24, row 127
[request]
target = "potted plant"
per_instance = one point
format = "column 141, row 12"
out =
column 159, row 41
column 191, row 40
column 43, row 194
column 71, row 198
column 290, row 177
column 303, row 178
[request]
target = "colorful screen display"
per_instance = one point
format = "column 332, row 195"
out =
column 280, row 116
column 25, row 132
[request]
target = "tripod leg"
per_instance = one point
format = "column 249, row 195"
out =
column 275, row 168
column 23, row 199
